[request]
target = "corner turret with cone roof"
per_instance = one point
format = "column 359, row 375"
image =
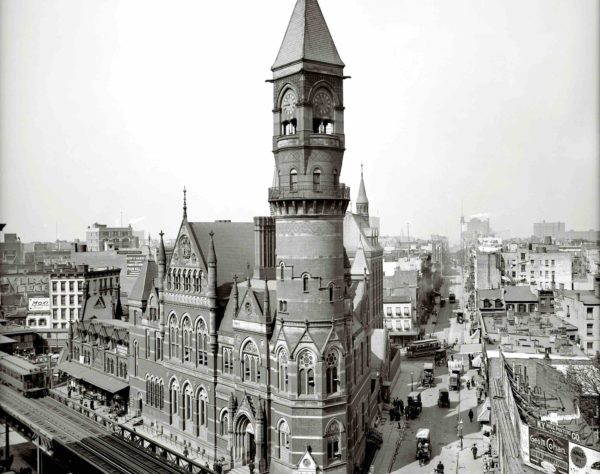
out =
column 308, row 145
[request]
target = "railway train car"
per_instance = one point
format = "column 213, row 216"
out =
column 22, row 375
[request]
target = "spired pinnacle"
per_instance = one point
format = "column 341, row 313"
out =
column 184, row 203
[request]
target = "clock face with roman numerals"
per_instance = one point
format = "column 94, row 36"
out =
column 322, row 104
column 289, row 104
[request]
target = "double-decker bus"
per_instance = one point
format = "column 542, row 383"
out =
column 422, row 348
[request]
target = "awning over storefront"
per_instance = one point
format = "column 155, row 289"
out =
column 97, row 379
column 484, row 412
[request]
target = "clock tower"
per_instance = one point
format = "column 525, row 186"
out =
column 311, row 344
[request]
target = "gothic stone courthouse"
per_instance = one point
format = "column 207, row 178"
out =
column 271, row 365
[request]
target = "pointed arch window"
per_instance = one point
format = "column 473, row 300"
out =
column 227, row 361
column 331, row 293
column 281, row 271
column 224, row 428
column 333, row 436
column 336, row 178
column 187, row 340
column 293, row 180
column 331, row 372
column 317, row 180
column 173, row 337
column 196, row 282
column 201, row 343
column 282, row 370
column 283, row 430
column 170, row 279
column 250, row 363
column 202, row 408
column 188, row 397
column 173, row 397
column 306, row 373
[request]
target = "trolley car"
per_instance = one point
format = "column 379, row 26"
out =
column 22, row 375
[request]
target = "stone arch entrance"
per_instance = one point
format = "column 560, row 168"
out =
column 244, row 447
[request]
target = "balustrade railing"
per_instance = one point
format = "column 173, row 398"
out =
column 314, row 191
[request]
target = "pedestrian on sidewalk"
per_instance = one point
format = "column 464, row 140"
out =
column 439, row 468
column 468, row 385
column 474, row 451
column 401, row 407
column 471, row 415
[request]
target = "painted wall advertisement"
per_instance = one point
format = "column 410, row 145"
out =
column 39, row 304
column 134, row 264
column 548, row 451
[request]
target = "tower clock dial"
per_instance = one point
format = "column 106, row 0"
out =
column 322, row 104
column 289, row 104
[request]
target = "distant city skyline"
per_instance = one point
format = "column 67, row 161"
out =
column 490, row 106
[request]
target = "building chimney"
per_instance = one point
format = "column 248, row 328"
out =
column 264, row 248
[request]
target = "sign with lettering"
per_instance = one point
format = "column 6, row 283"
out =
column 559, row 431
column 134, row 264
column 548, row 451
column 583, row 460
column 39, row 304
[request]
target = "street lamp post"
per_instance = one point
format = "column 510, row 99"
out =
column 412, row 388
column 460, row 433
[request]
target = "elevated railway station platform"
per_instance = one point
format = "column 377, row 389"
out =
column 85, row 445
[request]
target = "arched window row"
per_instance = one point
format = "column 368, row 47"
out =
column 184, row 280
column 224, row 423
column 193, row 343
column 227, row 360
column 155, row 392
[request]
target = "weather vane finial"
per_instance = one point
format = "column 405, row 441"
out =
column 184, row 203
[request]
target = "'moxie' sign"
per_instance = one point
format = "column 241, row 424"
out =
column 39, row 304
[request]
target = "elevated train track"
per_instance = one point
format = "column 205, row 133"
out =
column 62, row 431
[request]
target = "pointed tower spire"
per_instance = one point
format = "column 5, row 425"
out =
column 362, row 202
column 184, row 203
column 307, row 44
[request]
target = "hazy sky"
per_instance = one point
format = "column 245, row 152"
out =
column 113, row 106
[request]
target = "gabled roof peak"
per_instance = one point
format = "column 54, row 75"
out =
column 307, row 38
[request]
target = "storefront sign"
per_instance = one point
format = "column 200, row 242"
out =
column 39, row 304
column 548, row 451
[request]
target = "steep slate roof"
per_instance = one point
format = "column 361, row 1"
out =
column 234, row 246
column 144, row 282
column 307, row 37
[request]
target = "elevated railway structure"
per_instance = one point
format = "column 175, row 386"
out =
column 85, row 445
